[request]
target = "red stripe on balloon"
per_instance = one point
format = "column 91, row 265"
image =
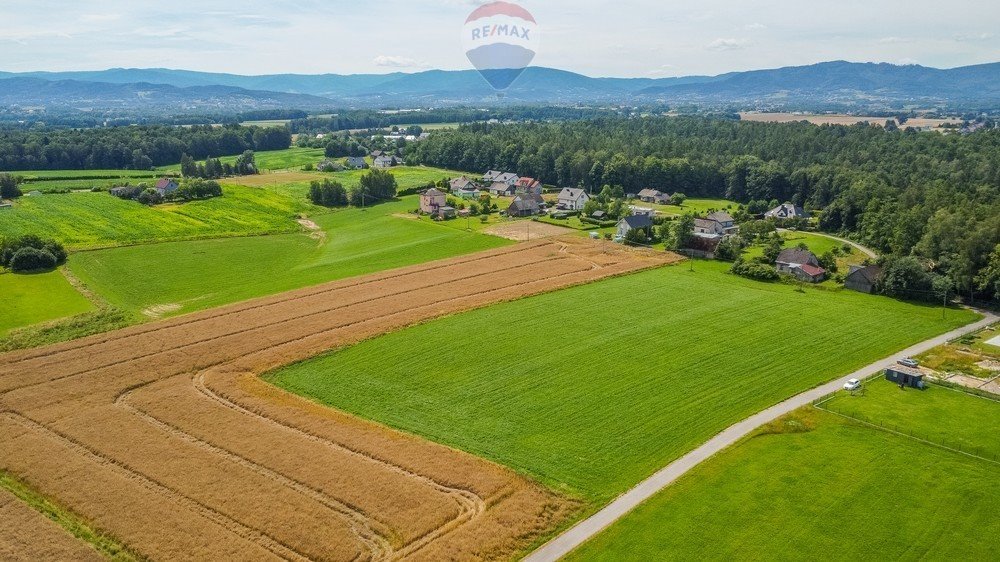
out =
column 500, row 9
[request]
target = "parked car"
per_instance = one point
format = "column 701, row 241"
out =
column 852, row 384
column 911, row 363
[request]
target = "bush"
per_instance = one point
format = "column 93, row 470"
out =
column 10, row 247
column 150, row 197
column 328, row 193
column 32, row 259
column 756, row 271
column 9, row 186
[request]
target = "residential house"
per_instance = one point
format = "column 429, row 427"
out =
column 469, row 193
column 786, row 211
column 523, row 206
column 378, row 153
column 502, row 189
column 653, row 196
column 357, row 162
column 719, row 223
column 432, row 201
column 863, row 279
column 386, row 161
column 508, row 178
column 530, row 186
column 634, row 210
column 572, row 199
column 165, row 186
column 462, row 183
column 630, row 223
column 491, row 176
column 800, row 263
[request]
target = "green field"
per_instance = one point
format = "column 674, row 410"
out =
column 941, row 415
column 36, row 298
column 294, row 157
column 87, row 220
column 194, row 275
column 817, row 485
column 593, row 388
column 696, row 206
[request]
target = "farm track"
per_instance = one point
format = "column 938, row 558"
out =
column 26, row 535
column 166, row 438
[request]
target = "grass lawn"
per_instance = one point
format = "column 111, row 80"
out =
column 817, row 485
column 593, row 388
column 87, row 220
column 194, row 275
column 36, row 298
column 939, row 414
column 696, row 206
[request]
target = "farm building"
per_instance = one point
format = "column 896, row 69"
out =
column 863, row 279
column 523, row 206
column 572, row 199
column 630, row 223
column 786, row 211
column 905, row 376
column 165, row 186
column 719, row 223
column 357, row 162
column 653, row 196
column 432, row 201
column 701, row 246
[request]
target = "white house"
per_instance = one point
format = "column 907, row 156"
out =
column 718, row 223
column 631, row 223
column 573, row 199
column 786, row 211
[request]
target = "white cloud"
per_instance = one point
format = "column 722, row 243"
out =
column 388, row 61
column 754, row 26
column 892, row 40
column 730, row 44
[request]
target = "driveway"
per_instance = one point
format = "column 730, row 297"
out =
column 588, row 528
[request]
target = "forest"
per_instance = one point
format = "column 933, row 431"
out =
column 137, row 148
column 903, row 192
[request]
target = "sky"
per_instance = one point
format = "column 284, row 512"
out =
column 622, row 38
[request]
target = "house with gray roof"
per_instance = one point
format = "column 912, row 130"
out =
column 572, row 199
column 786, row 211
column 630, row 223
column 718, row 223
column 863, row 279
column 801, row 264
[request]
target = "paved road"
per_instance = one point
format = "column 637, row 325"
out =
column 586, row 529
column 863, row 249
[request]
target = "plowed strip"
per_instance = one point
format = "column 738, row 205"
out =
column 165, row 429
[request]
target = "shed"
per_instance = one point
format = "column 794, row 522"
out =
column 905, row 376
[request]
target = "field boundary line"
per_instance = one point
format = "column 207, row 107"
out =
column 273, row 300
column 902, row 434
column 239, row 529
column 287, row 320
column 585, row 530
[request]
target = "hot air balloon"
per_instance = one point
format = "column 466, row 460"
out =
column 501, row 40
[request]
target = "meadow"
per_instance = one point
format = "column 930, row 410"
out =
column 36, row 298
column 294, row 157
column 89, row 220
column 180, row 277
column 698, row 207
column 939, row 414
column 593, row 388
column 816, row 483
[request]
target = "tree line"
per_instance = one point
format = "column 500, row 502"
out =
column 123, row 148
column 905, row 193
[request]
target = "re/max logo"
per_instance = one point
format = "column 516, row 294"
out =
column 501, row 30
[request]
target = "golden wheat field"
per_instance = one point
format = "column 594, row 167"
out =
column 164, row 436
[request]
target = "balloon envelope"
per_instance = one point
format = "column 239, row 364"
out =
column 501, row 40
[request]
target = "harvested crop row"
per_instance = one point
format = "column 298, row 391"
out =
column 174, row 415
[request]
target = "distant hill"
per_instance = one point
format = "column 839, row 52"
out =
column 24, row 91
column 839, row 83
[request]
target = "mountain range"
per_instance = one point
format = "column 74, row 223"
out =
column 837, row 83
